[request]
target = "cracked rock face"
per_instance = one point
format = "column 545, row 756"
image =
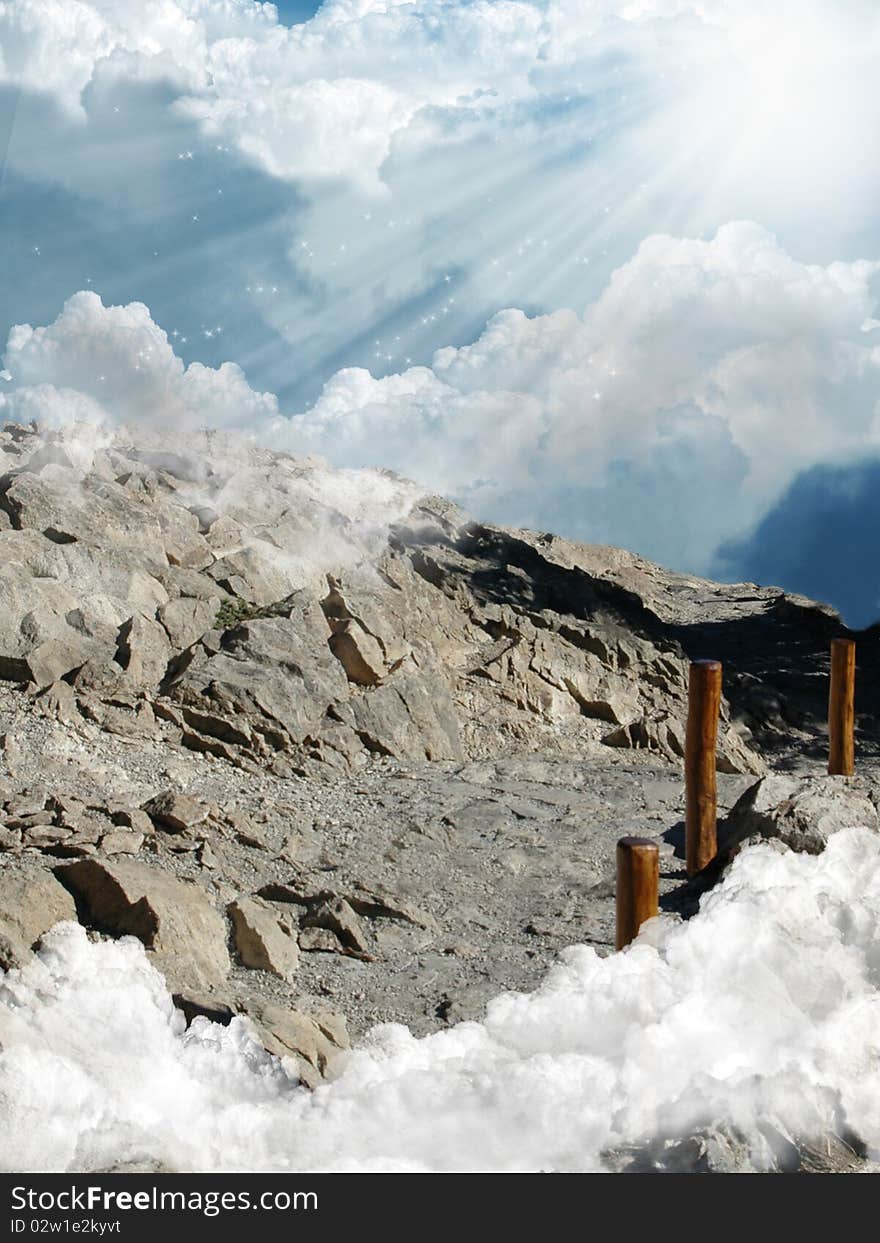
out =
column 145, row 583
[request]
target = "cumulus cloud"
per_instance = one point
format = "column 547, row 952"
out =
column 724, row 359
column 114, row 362
column 319, row 99
column 760, row 1013
column 669, row 417
column 329, row 96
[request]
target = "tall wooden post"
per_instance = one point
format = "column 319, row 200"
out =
column 841, row 708
column 701, row 796
column 638, row 884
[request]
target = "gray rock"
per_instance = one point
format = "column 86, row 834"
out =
column 277, row 673
column 358, row 652
column 175, row 920
column 28, row 803
column 182, row 540
column 89, row 510
column 334, row 914
column 410, row 717
column 802, row 812
column 144, row 651
column 121, row 842
column 320, row 940
column 176, row 813
column 133, row 818
column 263, row 937
column 723, row 1149
column 58, row 702
column 377, row 902
column 31, row 902
column 186, row 620
column 443, row 641
column 312, row 1041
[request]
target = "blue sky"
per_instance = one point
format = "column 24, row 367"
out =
column 296, row 11
column 605, row 266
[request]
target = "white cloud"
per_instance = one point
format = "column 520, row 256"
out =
column 328, row 97
column 320, row 99
column 350, row 164
column 761, row 1012
column 118, row 362
column 698, row 348
column 668, row 417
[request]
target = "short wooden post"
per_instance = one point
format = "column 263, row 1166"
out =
column 638, row 881
column 701, row 795
column 841, row 708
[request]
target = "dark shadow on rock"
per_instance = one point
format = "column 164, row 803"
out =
column 776, row 658
column 674, row 837
column 500, row 569
column 776, row 673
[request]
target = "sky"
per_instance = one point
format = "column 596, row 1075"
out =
column 603, row 267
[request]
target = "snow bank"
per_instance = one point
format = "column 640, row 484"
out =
column 765, row 1006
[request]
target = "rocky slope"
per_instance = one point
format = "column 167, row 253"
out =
column 336, row 753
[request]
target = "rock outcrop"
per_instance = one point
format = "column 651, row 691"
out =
column 147, row 586
column 264, row 939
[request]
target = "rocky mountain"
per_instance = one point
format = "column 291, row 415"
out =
column 337, row 753
column 229, row 597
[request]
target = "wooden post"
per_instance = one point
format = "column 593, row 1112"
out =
column 841, row 708
column 638, row 881
column 701, row 796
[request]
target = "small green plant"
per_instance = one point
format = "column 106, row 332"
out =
column 233, row 613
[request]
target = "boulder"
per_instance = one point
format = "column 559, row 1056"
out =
column 183, row 542
column 185, row 935
column 277, row 673
column 50, row 661
column 802, row 813
column 121, row 842
column 333, row 913
column 411, row 716
column 256, row 573
column 312, row 1042
column 68, row 508
column 377, row 902
column 314, row 940
column 144, row 651
column 358, row 652
column 132, row 818
column 31, row 902
column 186, row 619
column 175, row 813
column 263, row 937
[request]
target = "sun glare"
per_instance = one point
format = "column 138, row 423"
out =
column 789, row 69
column 783, row 95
